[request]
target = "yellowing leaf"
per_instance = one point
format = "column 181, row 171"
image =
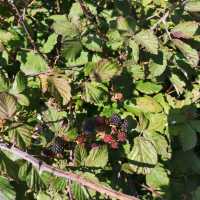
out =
column 185, row 29
column 7, row 106
column 59, row 85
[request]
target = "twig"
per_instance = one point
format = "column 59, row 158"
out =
column 21, row 21
column 163, row 18
column 88, row 14
column 43, row 167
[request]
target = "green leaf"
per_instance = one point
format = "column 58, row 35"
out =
column 98, row 157
column 135, row 50
column 196, row 193
column 6, row 36
column 71, row 48
column 54, row 118
column 33, row 64
column 157, row 122
column 177, row 83
column 95, row 93
column 22, row 100
column 161, row 144
column 148, row 87
column 4, row 83
column 158, row 179
column 43, row 196
column 21, row 135
column 63, row 26
column 148, row 104
column 115, row 40
column 192, row 6
column 93, row 42
column 142, row 158
column 104, row 70
column 7, row 165
column 137, row 71
column 80, row 155
column 59, row 86
column 7, row 106
column 81, row 60
column 185, row 29
column 190, row 54
column 148, row 40
column 188, row 137
column 50, row 43
column 126, row 24
column 19, row 84
column 79, row 192
column 157, row 65
column 7, row 191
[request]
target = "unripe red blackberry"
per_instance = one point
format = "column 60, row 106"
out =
column 121, row 136
column 115, row 120
column 114, row 145
column 108, row 138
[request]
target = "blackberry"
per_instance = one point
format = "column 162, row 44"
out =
column 88, row 126
column 124, row 126
column 115, row 120
column 58, row 146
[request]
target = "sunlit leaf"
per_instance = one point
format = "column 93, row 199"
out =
column 7, row 106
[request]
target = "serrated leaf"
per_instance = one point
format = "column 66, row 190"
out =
column 33, row 64
column 7, row 105
column 19, row 84
column 157, row 122
column 95, row 93
column 59, row 85
column 80, row 155
column 190, row 54
column 21, row 135
column 81, row 60
column 157, row 65
column 98, row 157
column 4, row 83
column 93, row 42
column 185, row 29
column 7, row 165
column 148, row 40
column 71, row 48
column 142, row 158
column 192, row 6
column 50, row 43
column 104, row 70
column 7, row 191
column 115, row 40
column 54, row 119
column 148, row 104
column 148, row 87
column 158, row 178
column 22, row 99
column 160, row 142
column 79, row 192
column 63, row 26
column 177, row 83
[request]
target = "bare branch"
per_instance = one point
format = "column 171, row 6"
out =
column 43, row 167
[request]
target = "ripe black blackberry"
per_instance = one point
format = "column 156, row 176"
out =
column 115, row 120
column 58, row 146
column 124, row 126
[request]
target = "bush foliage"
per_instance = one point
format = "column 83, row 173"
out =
column 107, row 89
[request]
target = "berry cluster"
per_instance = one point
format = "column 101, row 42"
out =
column 118, row 133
